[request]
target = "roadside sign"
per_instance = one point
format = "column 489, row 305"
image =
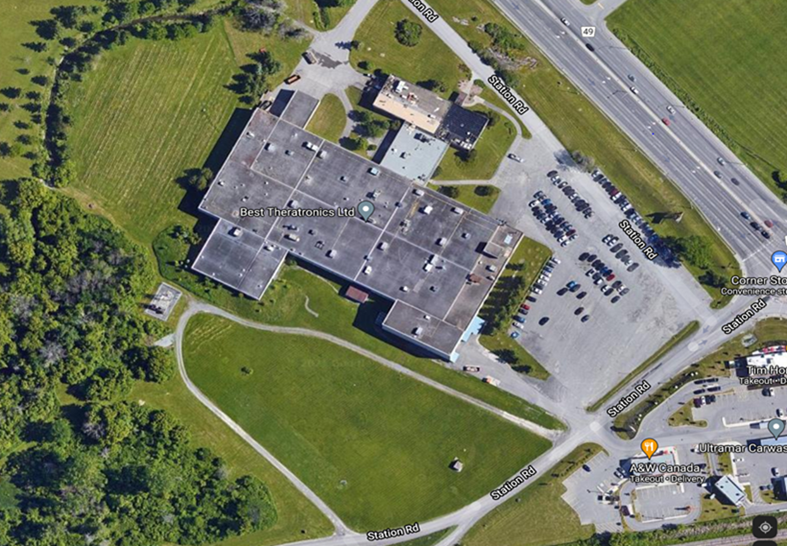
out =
column 588, row 32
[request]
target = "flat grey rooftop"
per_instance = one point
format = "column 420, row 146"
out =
column 299, row 109
column 413, row 153
column 418, row 246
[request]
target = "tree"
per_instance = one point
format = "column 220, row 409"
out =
column 437, row 86
column 408, row 33
column 483, row 190
column 198, row 179
column 694, row 248
column 450, row 191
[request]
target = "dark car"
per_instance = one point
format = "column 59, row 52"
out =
column 615, row 299
column 735, row 181
column 586, row 318
column 616, row 247
column 584, row 256
column 575, row 288
column 592, row 258
column 543, row 321
column 550, row 174
column 746, row 215
column 717, row 174
column 755, row 226
column 632, row 267
column 765, row 234
column 590, row 47
column 579, row 311
column 562, row 291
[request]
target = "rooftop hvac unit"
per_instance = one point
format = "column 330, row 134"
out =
column 427, row 209
column 417, row 331
column 235, row 232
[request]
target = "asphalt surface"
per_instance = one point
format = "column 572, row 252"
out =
column 686, row 151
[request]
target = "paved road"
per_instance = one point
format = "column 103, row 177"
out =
column 686, row 151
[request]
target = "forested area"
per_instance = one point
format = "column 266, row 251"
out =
column 100, row 469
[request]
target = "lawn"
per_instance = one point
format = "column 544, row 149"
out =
column 738, row 84
column 147, row 112
column 489, row 151
column 428, row 540
column 329, row 119
column 473, row 196
column 18, row 65
column 431, row 59
column 298, row 518
column 685, row 417
column 581, row 126
column 308, row 12
column 285, row 302
column 373, row 443
column 537, row 515
column 528, row 259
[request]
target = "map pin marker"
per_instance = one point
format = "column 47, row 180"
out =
column 776, row 427
column 779, row 259
column 365, row 209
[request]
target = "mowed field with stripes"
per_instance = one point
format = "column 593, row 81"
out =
column 148, row 111
column 728, row 56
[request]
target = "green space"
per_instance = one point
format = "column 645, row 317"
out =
column 430, row 60
column 481, row 198
column 19, row 64
column 329, row 119
column 676, row 339
column 319, row 14
column 481, row 162
column 536, row 515
column 725, row 62
column 685, row 417
column 373, row 443
column 284, row 304
column 489, row 96
column 298, row 518
column 588, row 2
column 428, row 540
column 150, row 110
column 580, row 126
column 724, row 464
column 768, row 331
column 713, row 509
column 503, row 303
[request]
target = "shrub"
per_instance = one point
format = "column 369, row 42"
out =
column 408, row 33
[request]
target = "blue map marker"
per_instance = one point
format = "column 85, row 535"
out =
column 779, row 259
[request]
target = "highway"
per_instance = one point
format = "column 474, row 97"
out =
column 686, row 151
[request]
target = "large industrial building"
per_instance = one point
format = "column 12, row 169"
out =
column 283, row 190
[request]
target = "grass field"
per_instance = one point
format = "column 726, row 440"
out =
column 685, row 417
column 373, row 443
column 428, row 540
column 468, row 194
column 298, row 518
column 536, row 516
column 581, row 126
column 18, row 64
column 726, row 62
column 329, row 119
column 685, row 332
column 147, row 112
column 527, row 261
column 285, row 304
column 490, row 150
column 305, row 11
column 431, row 59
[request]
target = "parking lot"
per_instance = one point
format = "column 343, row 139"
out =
column 743, row 406
column 616, row 337
column 668, row 501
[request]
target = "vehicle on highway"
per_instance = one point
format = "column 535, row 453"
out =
column 665, row 121
column 746, row 215
column 670, row 109
column 717, row 174
column 755, row 226
column 765, row 234
column 565, row 21
column 768, row 223
column 590, row 47
column 634, row 90
column 632, row 77
column 735, row 181
column 721, row 161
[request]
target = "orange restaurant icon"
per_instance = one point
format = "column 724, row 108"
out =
column 649, row 446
